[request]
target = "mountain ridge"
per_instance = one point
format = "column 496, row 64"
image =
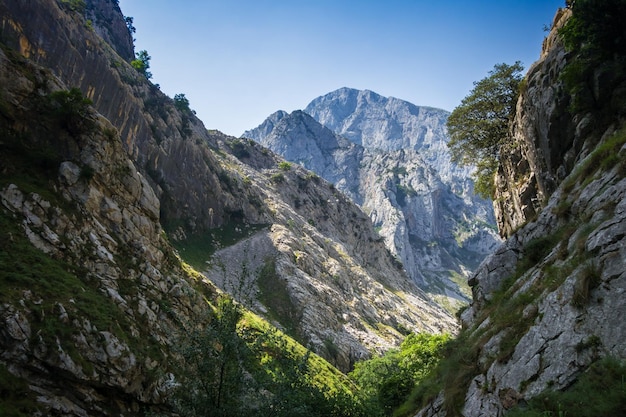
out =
column 422, row 205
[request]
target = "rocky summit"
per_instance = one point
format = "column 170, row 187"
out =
column 390, row 157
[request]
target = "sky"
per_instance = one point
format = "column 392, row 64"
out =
column 238, row 61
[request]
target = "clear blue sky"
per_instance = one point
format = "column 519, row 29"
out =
column 238, row 61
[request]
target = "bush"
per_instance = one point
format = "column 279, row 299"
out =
column 142, row 63
column 72, row 110
column 284, row 166
column 387, row 381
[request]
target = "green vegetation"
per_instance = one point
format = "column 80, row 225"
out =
column 74, row 5
column 53, row 282
column 284, row 166
column 197, row 249
column 142, row 63
column 238, row 147
column 275, row 297
column 71, row 110
column 603, row 158
column 478, row 127
column 387, row 381
column 16, row 400
column 600, row 391
column 510, row 313
column 596, row 36
column 129, row 24
column 182, row 104
column 277, row 178
column 236, row 364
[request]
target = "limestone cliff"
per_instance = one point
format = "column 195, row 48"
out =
column 396, row 167
column 91, row 289
column 94, row 196
column 165, row 142
column 549, row 302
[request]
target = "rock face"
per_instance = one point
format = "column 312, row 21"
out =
column 391, row 158
column 165, row 143
column 547, row 140
column 559, row 278
column 87, row 273
column 92, row 196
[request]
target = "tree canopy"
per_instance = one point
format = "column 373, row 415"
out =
column 142, row 63
column 479, row 125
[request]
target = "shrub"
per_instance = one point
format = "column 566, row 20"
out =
column 71, row 110
column 277, row 178
column 284, row 166
column 142, row 63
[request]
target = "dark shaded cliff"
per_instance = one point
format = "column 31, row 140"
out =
column 548, row 305
column 163, row 140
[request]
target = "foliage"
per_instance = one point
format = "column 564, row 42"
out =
column 387, row 381
column 213, row 378
column 277, row 178
column 74, row 5
column 263, row 372
column 284, row 166
column 129, row 24
column 142, row 63
column 508, row 314
column 600, row 391
column 71, row 110
column 274, row 295
column 238, row 147
column 596, row 37
column 197, row 249
column 181, row 103
column 596, row 27
column 478, row 127
column 603, row 158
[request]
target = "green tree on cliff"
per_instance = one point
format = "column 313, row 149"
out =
column 142, row 63
column 479, row 125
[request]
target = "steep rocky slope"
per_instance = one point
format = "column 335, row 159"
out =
column 396, row 166
column 93, row 197
column 550, row 301
column 91, row 289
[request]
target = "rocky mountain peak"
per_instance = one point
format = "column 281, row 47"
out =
column 421, row 204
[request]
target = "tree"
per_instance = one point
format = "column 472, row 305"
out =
column 181, row 102
column 129, row 24
column 387, row 381
column 212, row 383
column 72, row 110
column 142, row 63
column 479, row 126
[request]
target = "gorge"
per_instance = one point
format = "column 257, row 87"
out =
column 143, row 255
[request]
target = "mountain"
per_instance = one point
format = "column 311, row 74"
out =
column 546, row 317
column 110, row 191
column 390, row 157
